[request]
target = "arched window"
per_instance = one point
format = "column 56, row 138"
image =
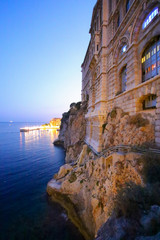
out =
column 150, row 17
column 123, row 49
column 151, row 60
column 128, row 5
column 123, row 77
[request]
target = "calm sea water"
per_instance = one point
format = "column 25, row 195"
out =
column 27, row 162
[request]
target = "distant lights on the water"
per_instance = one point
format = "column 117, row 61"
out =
column 27, row 129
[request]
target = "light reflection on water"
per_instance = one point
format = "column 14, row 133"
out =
column 32, row 136
column 27, row 162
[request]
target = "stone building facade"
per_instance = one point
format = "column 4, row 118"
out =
column 121, row 67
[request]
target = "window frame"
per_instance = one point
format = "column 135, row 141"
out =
column 150, row 60
column 149, row 18
column 153, row 104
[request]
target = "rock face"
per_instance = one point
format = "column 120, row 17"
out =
column 118, row 228
column 92, row 184
column 73, row 129
column 88, row 185
column 120, row 128
column 127, row 228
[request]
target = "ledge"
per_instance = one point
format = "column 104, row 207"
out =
column 136, row 87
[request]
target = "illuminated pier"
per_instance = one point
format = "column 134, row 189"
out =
column 28, row 129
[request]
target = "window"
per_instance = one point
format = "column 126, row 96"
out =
column 150, row 17
column 150, row 102
column 97, row 47
column 151, row 60
column 127, row 5
column 123, row 49
column 123, row 79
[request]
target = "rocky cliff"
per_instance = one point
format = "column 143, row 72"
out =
column 72, row 130
column 118, row 188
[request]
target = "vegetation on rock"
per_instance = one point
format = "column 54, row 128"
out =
column 72, row 177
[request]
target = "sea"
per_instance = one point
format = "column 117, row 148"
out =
column 28, row 160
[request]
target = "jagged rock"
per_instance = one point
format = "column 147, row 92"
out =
column 65, row 169
column 73, row 130
column 58, row 142
column 91, row 183
column 121, row 129
column 81, row 159
column 73, row 151
column 92, row 186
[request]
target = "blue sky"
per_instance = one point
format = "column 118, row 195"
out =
column 42, row 46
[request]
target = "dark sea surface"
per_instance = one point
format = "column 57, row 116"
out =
column 27, row 162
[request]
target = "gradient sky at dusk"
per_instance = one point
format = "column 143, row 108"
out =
column 42, row 46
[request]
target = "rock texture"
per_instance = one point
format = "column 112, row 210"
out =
column 118, row 229
column 89, row 184
column 73, row 129
column 127, row 228
column 121, row 128
column 92, row 184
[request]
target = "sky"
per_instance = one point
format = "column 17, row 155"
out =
column 42, row 46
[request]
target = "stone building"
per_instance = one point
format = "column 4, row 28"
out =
column 121, row 67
